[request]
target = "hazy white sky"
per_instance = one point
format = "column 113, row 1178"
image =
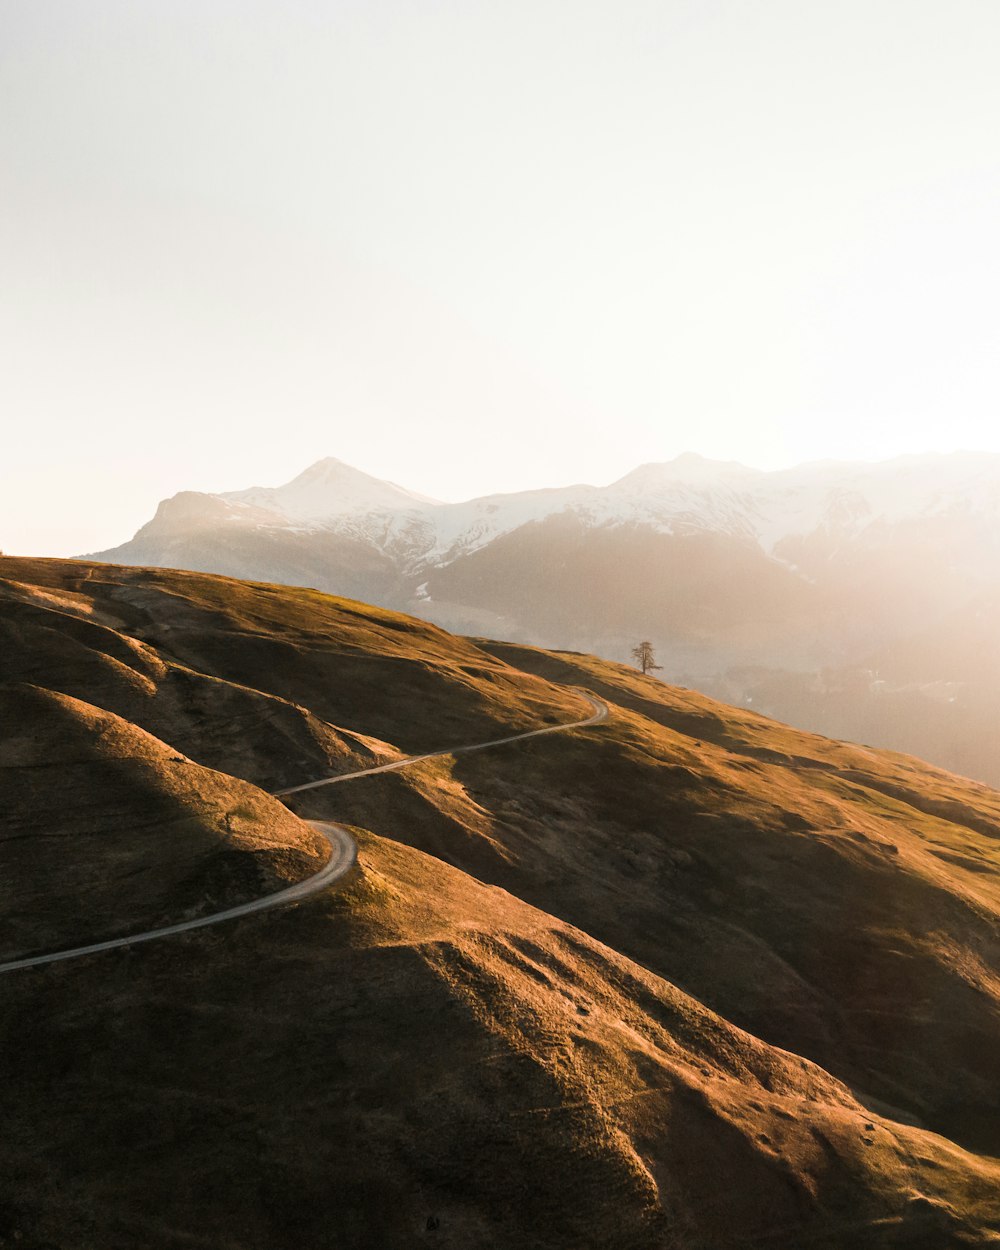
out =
column 484, row 246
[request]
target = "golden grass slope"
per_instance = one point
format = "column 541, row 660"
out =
column 108, row 831
column 425, row 1061
column 224, row 724
column 840, row 903
column 356, row 667
column 689, row 980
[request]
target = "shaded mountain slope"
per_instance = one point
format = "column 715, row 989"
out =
column 700, row 593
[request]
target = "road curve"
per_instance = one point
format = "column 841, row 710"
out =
column 600, row 713
column 343, row 857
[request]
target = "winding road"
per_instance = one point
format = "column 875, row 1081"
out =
column 343, row 857
column 600, row 713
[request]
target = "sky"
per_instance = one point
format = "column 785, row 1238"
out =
column 474, row 247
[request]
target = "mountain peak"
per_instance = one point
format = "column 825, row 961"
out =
column 330, row 467
column 687, row 467
column 338, row 473
column 330, row 488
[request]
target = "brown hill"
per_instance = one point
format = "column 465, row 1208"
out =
column 837, row 902
column 107, row 830
column 277, row 684
column 423, row 1061
column 719, row 983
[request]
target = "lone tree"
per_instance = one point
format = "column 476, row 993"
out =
column 645, row 657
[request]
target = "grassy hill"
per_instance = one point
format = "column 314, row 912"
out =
column 689, row 978
column 106, row 830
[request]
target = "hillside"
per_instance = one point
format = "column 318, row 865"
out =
column 280, row 685
column 106, row 830
column 837, row 902
column 688, row 978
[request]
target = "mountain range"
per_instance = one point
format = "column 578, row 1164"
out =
column 859, row 600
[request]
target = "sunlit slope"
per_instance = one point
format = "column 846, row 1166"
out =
column 278, row 684
column 422, row 1060
column 744, row 732
column 52, row 639
column 106, row 830
column 840, row 903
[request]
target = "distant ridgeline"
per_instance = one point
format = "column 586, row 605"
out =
column 857, row 600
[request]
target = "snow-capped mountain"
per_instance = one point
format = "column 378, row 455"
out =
column 326, row 490
column 689, row 495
